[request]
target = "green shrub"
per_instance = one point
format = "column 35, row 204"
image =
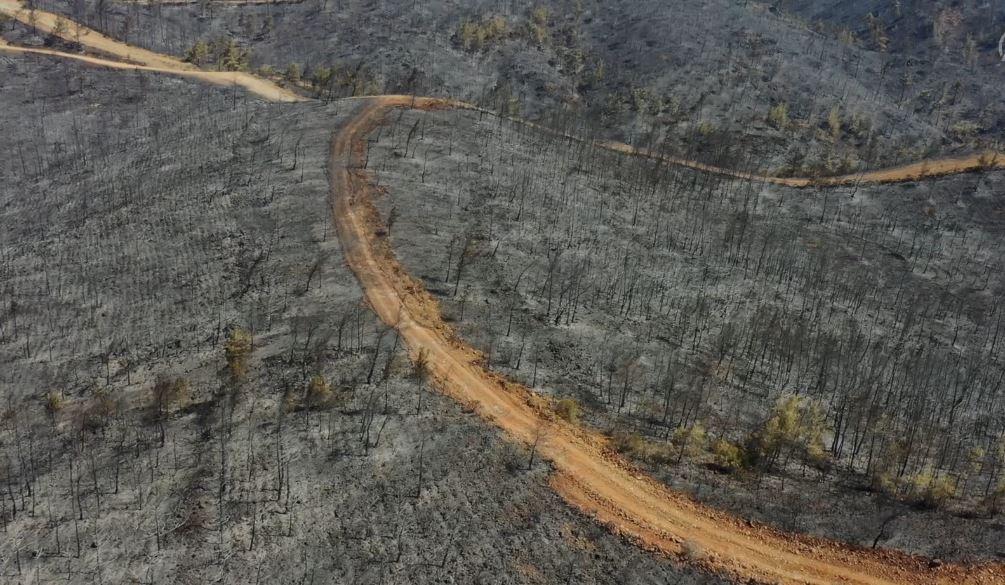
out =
column 796, row 426
column 931, row 489
column 568, row 409
column 224, row 52
column 54, row 402
column 476, row 36
column 728, row 456
column 198, row 55
column 538, row 25
column 778, row 116
column 706, row 128
column 690, row 441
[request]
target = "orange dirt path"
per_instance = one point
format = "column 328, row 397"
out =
column 137, row 59
column 926, row 169
column 587, row 474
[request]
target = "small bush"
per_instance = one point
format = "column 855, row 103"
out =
column 847, row 37
column 198, row 55
column 476, row 36
column 779, row 116
column 797, row 426
column 538, row 25
column 568, row 409
column 319, row 392
column 61, row 29
column 728, row 456
column 54, row 402
column 289, row 402
column 877, row 29
column 690, row 441
column 627, row 443
column 237, row 350
column 861, row 125
column 932, row 490
column 634, row 446
column 224, row 52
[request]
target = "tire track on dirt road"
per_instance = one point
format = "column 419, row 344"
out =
column 587, row 474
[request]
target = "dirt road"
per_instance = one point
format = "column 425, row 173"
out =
column 139, row 59
column 926, row 169
column 587, row 474
column 134, row 58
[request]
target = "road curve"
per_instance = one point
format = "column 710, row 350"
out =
column 926, row 169
column 587, row 474
column 135, row 58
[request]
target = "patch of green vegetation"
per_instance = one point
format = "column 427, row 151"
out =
column 222, row 53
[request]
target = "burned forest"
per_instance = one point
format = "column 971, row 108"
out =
column 629, row 292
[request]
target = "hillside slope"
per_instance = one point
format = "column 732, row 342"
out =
column 682, row 311
column 708, row 79
column 146, row 220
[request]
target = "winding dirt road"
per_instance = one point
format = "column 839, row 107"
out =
column 139, row 59
column 587, row 474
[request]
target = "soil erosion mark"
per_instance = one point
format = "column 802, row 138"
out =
column 587, row 474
